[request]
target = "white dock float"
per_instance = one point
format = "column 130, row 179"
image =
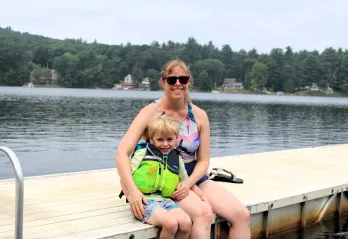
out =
column 283, row 190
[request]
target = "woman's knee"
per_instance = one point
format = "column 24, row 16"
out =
column 207, row 213
column 170, row 225
column 185, row 223
column 241, row 215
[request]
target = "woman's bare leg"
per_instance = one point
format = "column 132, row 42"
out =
column 228, row 207
column 200, row 214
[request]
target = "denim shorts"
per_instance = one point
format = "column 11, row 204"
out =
column 189, row 168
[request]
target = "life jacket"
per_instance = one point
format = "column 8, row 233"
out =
column 158, row 172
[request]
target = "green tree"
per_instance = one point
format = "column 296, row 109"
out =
column 275, row 64
column 204, row 82
column 154, row 77
column 80, row 64
column 192, row 51
column 228, row 58
column 42, row 57
column 137, row 75
column 343, row 73
column 68, row 71
column 310, row 70
column 42, row 76
column 259, row 76
column 329, row 62
column 289, row 86
column 214, row 68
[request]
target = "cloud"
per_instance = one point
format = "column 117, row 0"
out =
column 242, row 24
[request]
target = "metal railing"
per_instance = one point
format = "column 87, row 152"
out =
column 19, row 190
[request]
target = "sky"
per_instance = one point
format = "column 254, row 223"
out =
column 242, row 24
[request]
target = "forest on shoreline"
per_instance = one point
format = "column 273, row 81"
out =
column 93, row 65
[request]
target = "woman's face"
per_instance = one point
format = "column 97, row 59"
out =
column 176, row 90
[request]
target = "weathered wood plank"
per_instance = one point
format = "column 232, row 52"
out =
column 86, row 204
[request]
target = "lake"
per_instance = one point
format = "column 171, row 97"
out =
column 66, row 130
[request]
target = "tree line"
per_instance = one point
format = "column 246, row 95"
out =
column 84, row 65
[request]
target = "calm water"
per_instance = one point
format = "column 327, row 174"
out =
column 66, row 130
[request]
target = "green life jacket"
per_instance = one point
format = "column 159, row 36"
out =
column 158, row 172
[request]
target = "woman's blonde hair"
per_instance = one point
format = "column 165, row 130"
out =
column 163, row 125
column 169, row 68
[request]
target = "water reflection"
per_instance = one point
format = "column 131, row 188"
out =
column 64, row 130
column 334, row 228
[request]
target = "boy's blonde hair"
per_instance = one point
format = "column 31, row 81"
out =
column 163, row 125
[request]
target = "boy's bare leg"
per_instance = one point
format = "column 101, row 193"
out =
column 169, row 222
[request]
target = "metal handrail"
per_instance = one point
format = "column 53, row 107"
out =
column 19, row 190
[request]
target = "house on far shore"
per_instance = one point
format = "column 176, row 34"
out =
column 327, row 90
column 117, row 87
column 316, row 88
column 125, row 84
column 238, row 85
column 128, row 82
column 230, row 83
column 54, row 76
column 145, row 83
column 43, row 76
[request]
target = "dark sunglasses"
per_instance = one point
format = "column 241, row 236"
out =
column 182, row 79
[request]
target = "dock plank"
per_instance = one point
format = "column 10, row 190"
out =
column 86, row 204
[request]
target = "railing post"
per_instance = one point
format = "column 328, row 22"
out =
column 19, row 190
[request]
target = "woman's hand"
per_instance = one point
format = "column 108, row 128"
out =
column 182, row 190
column 136, row 201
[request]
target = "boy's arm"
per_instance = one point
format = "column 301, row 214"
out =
column 135, row 161
column 182, row 171
column 137, row 158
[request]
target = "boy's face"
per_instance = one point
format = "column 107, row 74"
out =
column 165, row 143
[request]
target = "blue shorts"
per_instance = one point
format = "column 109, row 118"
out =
column 189, row 168
column 167, row 204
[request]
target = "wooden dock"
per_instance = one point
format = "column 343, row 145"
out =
column 283, row 190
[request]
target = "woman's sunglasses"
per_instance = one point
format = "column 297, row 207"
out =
column 182, row 79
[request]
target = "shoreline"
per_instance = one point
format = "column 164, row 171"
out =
column 234, row 91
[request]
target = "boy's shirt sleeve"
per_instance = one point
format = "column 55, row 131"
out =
column 182, row 170
column 138, row 156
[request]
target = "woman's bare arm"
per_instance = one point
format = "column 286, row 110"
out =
column 203, row 153
column 125, row 148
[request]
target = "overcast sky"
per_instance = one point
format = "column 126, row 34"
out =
column 243, row 24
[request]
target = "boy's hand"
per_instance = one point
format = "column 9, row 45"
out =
column 182, row 190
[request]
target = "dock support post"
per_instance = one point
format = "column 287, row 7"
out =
column 324, row 209
column 219, row 232
column 266, row 220
column 303, row 212
column 339, row 203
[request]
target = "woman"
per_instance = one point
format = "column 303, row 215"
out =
column 194, row 144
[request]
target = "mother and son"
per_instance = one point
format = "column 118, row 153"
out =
column 165, row 182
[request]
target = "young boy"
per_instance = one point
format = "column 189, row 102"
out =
column 157, row 170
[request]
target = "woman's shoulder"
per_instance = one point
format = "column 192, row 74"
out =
column 199, row 112
column 149, row 109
